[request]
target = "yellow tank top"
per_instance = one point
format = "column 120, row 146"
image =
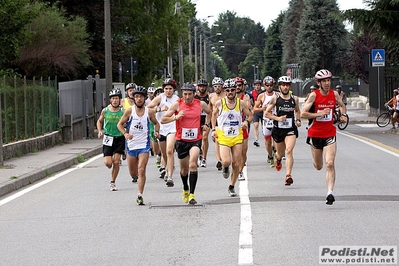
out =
column 229, row 129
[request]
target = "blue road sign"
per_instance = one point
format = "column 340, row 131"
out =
column 378, row 57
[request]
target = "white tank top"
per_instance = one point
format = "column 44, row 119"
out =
column 266, row 121
column 166, row 129
column 139, row 128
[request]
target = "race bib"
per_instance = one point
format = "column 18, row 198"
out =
column 108, row 140
column 325, row 118
column 189, row 133
column 285, row 124
column 231, row 131
column 268, row 123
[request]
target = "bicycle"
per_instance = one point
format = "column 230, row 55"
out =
column 337, row 114
column 384, row 118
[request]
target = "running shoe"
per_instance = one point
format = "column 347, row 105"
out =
column 191, row 199
column 199, row 161
column 112, row 186
column 170, row 182
column 219, row 165
column 124, row 156
column 241, row 176
column 185, row 196
column 232, row 192
column 140, row 200
column 158, row 164
column 256, row 143
column 269, row 158
column 226, row 172
column 278, row 165
column 288, row 180
column 163, row 172
column 203, row 163
column 330, row 199
column 134, row 178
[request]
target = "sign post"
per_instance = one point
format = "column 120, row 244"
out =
column 378, row 60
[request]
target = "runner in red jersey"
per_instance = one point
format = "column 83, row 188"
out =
column 187, row 114
column 322, row 132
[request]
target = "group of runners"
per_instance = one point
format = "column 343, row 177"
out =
column 164, row 124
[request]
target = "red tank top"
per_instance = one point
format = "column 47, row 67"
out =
column 323, row 127
column 188, row 128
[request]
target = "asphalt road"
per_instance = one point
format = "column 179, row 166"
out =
column 73, row 219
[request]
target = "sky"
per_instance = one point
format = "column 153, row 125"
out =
column 259, row 11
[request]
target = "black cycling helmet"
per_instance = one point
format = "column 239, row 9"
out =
column 188, row 87
column 169, row 81
column 115, row 92
column 159, row 90
column 202, row 82
column 140, row 90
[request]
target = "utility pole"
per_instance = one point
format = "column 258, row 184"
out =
column 181, row 67
column 108, row 48
column 195, row 54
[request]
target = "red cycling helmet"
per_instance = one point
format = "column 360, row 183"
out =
column 239, row 80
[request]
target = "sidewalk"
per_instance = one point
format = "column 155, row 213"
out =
column 19, row 172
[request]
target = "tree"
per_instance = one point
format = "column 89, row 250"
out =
column 322, row 38
column 239, row 35
column 273, row 49
column 14, row 14
column 54, row 45
column 247, row 66
column 381, row 22
column 289, row 31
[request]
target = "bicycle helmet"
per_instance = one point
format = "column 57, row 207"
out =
column 239, row 80
column 140, row 90
column 188, row 87
column 151, row 89
column 258, row 81
column 169, row 81
column 323, row 74
column 229, row 83
column 396, row 90
column 313, row 87
column 217, row 81
column 130, row 85
column 115, row 92
column 245, row 82
column 268, row 80
column 338, row 87
column 284, row 79
column 159, row 90
column 202, row 82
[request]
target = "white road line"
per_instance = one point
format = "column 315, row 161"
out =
column 370, row 144
column 245, row 252
column 47, row 180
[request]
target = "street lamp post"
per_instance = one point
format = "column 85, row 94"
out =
column 254, row 72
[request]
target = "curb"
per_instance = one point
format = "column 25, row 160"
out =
column 30, row 178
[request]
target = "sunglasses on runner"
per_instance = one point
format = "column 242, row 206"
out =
column 229, row 90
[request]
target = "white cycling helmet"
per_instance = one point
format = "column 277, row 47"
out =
column 284, row 79
column 323, row 74
column 217, row 81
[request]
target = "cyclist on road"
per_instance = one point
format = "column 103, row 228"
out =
column 395, row 108
column 322, row 132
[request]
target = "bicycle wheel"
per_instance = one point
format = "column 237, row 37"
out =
column 343, row 125
column 383, row 119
